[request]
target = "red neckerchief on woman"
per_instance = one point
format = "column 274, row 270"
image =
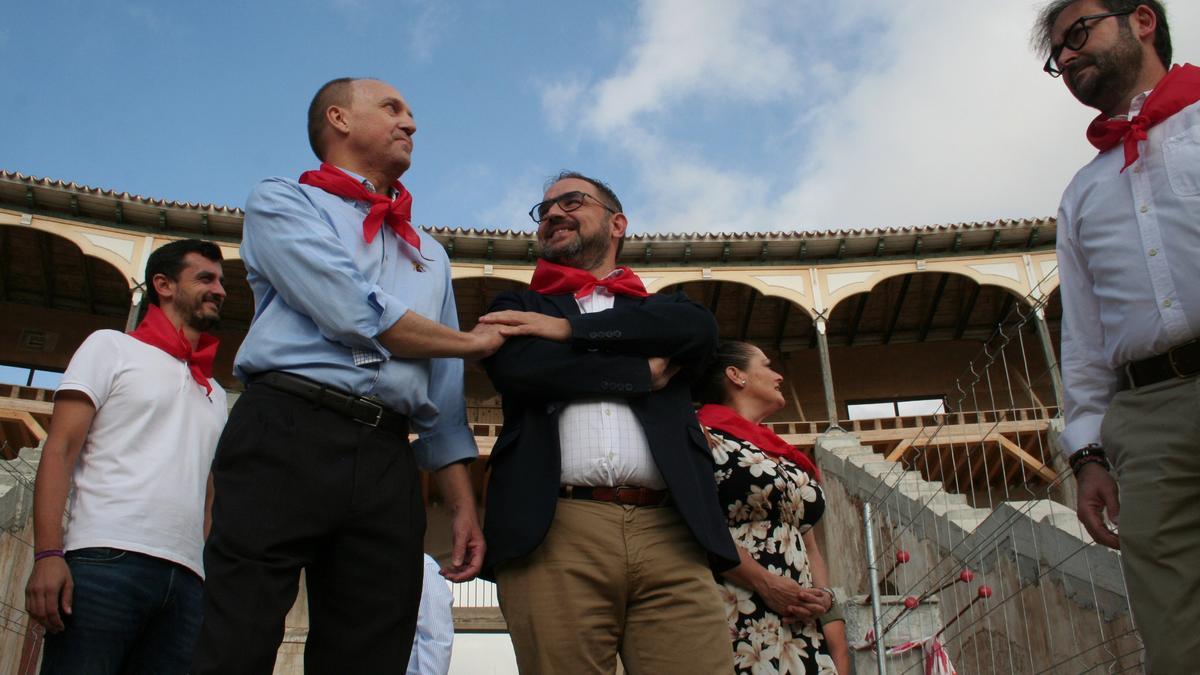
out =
column 552, row 279
column 1176, row 91
column 760, row 436
column 156, row 330
column 397, row 213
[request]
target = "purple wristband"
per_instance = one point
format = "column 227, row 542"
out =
column 49, row 553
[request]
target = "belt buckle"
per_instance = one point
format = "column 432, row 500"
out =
column 1129, row 375
column 1174, row 366
column 379, row 410
column 622, row 500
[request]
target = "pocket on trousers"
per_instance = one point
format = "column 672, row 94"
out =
column 1181, row 154
column 96, row 555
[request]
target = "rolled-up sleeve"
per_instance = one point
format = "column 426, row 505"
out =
column 450, row 439
column 286, row 241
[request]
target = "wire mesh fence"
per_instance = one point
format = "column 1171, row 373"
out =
column 974, row 512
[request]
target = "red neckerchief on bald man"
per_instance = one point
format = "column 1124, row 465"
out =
column 759, row 435
column 1176, row 91
column 397, row 213
column 156, row 330
column 552, row 279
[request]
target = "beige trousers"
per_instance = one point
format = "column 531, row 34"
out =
column 1152, row 436
column 612, row 579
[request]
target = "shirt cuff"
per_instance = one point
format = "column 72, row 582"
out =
column 442, row 447
column 1080, row 433
column 390, row 310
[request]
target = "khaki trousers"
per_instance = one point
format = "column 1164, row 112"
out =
column 1152, row 435
column 612, row 579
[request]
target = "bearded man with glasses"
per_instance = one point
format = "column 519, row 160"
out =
column 1128, row 252
column 603, row 523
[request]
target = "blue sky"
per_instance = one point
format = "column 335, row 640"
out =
column 705, row 115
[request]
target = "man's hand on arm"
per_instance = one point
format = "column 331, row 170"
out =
column 1097, row 495
column 50, row 590
column 416, row 337
column 513, row 323
column 661, row 372
column 454, row 481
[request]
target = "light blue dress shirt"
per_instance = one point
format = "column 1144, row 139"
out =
column 322, row 295
column 435, row 625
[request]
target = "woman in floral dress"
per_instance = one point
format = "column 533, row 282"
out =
column 775, row 599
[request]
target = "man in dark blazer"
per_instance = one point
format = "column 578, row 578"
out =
column 602, row 521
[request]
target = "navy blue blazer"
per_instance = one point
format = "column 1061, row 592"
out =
column 605, row 358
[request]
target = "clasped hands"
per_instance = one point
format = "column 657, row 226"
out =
column 791, row 601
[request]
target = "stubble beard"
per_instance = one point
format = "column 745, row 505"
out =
column 1113, row 77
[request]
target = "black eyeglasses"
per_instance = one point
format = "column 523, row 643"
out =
column 567, row 201
column 1075, row 38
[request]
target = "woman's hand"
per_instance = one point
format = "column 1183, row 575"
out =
column 813, row 605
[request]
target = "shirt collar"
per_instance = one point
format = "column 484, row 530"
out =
column 366, row 183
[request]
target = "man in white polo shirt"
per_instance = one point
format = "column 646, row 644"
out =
column 136, row 421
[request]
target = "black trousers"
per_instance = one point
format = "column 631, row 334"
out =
column 299, row 486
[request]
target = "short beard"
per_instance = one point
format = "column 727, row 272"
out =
column 198, row 320
column 581, row 253
column 1115, row 74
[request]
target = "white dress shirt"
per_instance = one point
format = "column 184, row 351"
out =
column 435, row 625
column 602, row 442
column 1129, row 265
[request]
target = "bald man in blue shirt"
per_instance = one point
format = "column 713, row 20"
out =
column 354, row 341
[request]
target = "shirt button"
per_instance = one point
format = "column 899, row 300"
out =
column 1167, row 303
column 1144, row 208
column 1153, row 252
column 607, row 411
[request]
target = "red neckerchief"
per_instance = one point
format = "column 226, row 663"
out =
column 760, row 436
column 156, row 330
column 552, row 279
column 397, row 212
column 1176, row 91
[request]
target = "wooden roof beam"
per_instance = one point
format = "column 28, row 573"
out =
column 854, row 322
column 933, row 307
column 715, row 300
column 89, row 295
column 4, row 259
column 749, row 314
column 43, row 240
column 887, row 336
column 785, row 313
column 964, row 319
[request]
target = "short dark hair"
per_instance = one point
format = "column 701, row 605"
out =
column 1050, row 13
column 168, row 260
column 606, row 194
column 337, row 92
column 710, row 387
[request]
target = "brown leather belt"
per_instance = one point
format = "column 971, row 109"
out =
column 360, row 409
column 622, row 494
column 1182, row 361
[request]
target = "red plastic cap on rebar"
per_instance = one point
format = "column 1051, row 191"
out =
column 985, row 591
column 911, row 602
column 902, row 556
column 966, row 576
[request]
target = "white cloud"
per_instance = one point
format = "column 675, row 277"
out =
column 691, row 46
column 946, row 117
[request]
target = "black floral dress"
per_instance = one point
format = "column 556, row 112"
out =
column 770, row 502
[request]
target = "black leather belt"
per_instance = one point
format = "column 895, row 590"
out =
column 1182, row 361
column 622, row 494
column 363, row 410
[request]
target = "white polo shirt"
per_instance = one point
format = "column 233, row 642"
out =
column 140, row 481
